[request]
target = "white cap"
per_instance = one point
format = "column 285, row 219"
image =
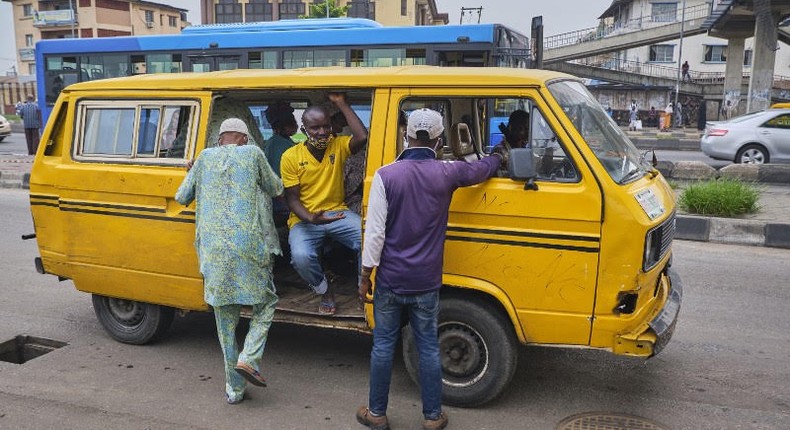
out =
column 234, row 124
column 425, row 120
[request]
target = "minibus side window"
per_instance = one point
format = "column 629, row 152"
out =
column 146, row 131
column 108, row 131
column 475, row 125
column 138, row 132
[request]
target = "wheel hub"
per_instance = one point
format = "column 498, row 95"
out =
column 127, row 311
column 461, row 351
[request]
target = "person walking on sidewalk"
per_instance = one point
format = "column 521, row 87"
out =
column 235, row 238
column 404, row 238
column 31, row 119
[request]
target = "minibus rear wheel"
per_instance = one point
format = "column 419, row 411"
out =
column 132, row 322
column 477, row 348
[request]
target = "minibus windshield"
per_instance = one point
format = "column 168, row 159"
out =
column 613, row 149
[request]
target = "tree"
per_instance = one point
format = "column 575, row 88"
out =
column 319, row 10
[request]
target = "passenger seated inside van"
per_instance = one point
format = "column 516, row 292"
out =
column 312, row 174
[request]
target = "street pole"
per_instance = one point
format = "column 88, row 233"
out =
column 71, row 9
column 327, row 8
column 680, row 58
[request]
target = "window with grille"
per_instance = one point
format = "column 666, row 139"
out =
column 362, row 9
column 717, row 53
column 662, row 53
column 664, row 12
column 227, row 11
column 291, row 9
column 258, row 10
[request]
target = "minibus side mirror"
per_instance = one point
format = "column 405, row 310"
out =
column 521, row 167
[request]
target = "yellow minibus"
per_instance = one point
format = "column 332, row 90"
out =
column 570, row 247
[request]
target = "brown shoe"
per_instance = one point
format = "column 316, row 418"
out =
column 437, row 424
column 366, row 419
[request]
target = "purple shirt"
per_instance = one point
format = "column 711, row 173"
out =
column 407, row 217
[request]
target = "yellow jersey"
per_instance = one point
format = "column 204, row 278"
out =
column 320, row 182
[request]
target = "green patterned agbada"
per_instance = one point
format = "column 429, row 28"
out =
column 235, row 235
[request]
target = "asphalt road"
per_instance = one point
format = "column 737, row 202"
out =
column 728, row 365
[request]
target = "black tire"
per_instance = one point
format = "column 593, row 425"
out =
column 752, row 154
column 478, row 350
column 136, row 323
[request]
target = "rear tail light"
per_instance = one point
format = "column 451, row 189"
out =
column 717, row 132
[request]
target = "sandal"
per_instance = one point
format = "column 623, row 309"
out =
column 327, row 308
column 250, row 374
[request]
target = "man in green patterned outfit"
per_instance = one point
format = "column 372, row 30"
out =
column 235, row 238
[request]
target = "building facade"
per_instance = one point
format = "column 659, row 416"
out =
column 386, row 12
column 705, row 54
column 36, row 20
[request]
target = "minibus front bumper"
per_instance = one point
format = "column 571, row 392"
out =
column 663, row 325
column 654, row 336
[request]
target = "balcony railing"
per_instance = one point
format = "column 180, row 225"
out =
column 633, row 25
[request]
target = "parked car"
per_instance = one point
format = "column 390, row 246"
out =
column 5, row 128
column 759, row 137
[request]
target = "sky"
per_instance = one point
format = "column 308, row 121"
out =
column 559, row 16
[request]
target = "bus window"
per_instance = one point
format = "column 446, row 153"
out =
column 60, row 73
column 262, row 60
column 463, row 58
column 163, row 63
column 319, row 58
column 387, row 57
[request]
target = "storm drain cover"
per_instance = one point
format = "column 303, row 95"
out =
column 608, row 421
column 22, row 349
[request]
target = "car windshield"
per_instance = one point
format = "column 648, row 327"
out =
column 611, row 146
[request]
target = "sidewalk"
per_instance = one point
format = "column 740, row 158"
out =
column 676, row 139
column 769, row 227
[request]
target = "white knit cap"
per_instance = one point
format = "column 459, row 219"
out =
column 425, row 120
column 234, row 124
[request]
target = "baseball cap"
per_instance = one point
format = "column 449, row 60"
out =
column 234, row 124
column 426, row 120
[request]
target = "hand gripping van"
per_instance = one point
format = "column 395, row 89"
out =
column 570, row 247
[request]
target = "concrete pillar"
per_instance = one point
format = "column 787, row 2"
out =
column 765, row 46
column 733, row 77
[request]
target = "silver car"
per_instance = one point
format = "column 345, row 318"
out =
column 5, row 128
column 759, row 137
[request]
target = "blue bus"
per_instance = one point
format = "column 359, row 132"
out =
column 281, row 44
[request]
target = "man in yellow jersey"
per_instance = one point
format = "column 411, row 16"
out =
column 312, row 174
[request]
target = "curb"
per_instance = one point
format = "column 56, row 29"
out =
column 688, row 227
column 732, row 231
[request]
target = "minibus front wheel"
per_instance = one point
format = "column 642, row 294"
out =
column 132, row 322
column 477, row 348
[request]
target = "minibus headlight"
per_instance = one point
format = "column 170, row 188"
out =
column 658, row 241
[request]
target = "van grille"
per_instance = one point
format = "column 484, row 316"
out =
column 659, row 240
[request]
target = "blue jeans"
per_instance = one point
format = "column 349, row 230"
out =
column 306, row 241
column 423, row 312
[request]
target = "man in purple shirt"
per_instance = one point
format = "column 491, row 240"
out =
column 404, row 238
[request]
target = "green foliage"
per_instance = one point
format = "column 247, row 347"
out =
column 318, row 10
column 722, row 197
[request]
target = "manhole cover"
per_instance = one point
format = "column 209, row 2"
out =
column 22, row 349
column 608, row 421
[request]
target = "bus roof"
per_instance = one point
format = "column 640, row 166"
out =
column 329, row 78
column 283, row 25
column 210, row 39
